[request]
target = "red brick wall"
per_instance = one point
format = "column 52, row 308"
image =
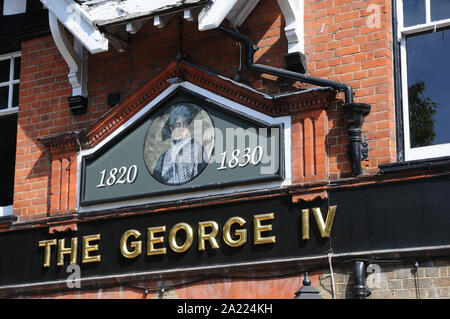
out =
column 270, row 288
column 152, row 49
column 341, row 46
column 42, row 89
column 308, row 146
column 44, row 110
column 45, row 88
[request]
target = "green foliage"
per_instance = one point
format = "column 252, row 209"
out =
column 421, row 112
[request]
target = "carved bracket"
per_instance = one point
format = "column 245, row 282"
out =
column 293, row 13
column 76, row 58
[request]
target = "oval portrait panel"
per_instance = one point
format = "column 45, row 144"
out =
column 179, row 143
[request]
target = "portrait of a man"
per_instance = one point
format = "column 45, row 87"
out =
column 185, row 156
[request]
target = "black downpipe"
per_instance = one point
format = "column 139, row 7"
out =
column 398, row 87
column 361, row 292
column 355, row 112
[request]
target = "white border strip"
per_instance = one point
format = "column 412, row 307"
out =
column 237, row 108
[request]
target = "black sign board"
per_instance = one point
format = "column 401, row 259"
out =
column 378, row 218
column 184, row 142
column 271, row 230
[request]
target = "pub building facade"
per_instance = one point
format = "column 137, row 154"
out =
column 225, row 149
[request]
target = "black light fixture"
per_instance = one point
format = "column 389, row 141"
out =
column 307, row 291
column 113, row 99
column 78, row 104
column 295, row 62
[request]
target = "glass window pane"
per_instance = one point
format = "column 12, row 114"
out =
column 8, row 135
column 17, row 68
column 429, row 88
column 15, row 101
column 4, row 90
column 4, row 70
column 440, row 9
column 413, row 12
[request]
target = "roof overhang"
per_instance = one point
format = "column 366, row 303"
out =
column 109, row 12
column 99, row 24
column 91, row 21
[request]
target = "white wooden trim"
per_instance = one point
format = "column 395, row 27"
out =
column 293, row 12
column 134, row 27
column 11, row 85
column 10, row 55
column 79, row 23
column 82, row 23
column 188, row 16
column 425, row 27
column 6, row 210
column 9, row 111
column 12, row 7
column 212, row 15
column 229, row 105
column 432, row 151
column 399, row 19
column 76, row 61
column 245, row 12
column 427, row 11
column 8, row 82
column 405, row 106
column 161, row 21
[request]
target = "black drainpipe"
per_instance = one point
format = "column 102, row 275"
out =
column 361, row 292
column 355, row 112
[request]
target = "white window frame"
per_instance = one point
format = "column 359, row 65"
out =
column 12, row 7
column 8, row 210
column 423, row 152
column 10, row 109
